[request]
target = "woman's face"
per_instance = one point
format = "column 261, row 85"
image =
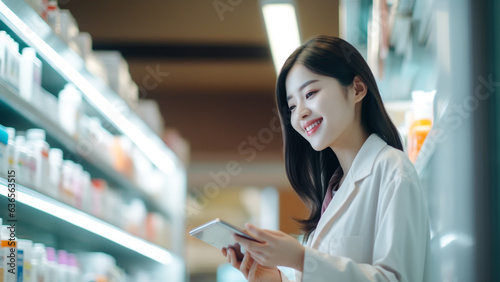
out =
column 322, row 111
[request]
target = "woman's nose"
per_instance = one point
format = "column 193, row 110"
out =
column 304, row 111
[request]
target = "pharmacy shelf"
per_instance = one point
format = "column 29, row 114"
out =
column 38, row 215
column 33, row 31
column 62, row 65
column 35, row 116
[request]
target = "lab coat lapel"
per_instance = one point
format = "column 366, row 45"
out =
column 361, row 168
column 337, row 206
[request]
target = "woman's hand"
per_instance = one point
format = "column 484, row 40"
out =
column 253, row 271
column 276, row 248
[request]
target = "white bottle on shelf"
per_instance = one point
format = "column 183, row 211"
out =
column 8, row 253
column 52, row 265
column 27, row 247
column 10, row 148
column 55, row 162
column 63, row 273
column 21, row 161
column 4, row 38
column 66, row 193
column 4, row 158
column 74, row 271
column 30, row 76
column 12, row 62
column 39, row 263
column 40, row 148
column 70, row 109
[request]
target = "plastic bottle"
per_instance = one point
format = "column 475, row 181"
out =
column 86, row 198
column 40, row 148
column 63, row 268
column 4, row 37
column 21, row 165
column 4, row 159
column 55, row 163
column 12, row 63
column 30, row 76
column 70, row 111
column 54, row 16
column 422, row 121
column 66, row 186
column 27, row 247
column 74, row 270
column 52, row 265
column 10, row 148
column 9, row 254
column 39, row 263
column 20, row 265
column 76, row 185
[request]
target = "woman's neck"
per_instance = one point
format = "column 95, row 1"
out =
column 348, row 148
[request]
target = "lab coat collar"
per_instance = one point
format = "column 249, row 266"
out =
column 363, row 162
column 361, row 167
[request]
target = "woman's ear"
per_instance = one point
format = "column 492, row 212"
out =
column 360, row 89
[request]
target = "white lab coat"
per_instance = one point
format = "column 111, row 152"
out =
column 376, row 227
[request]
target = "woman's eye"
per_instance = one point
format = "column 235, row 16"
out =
column 309, row 94
column 291, row 108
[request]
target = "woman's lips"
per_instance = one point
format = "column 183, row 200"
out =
column 313, row 125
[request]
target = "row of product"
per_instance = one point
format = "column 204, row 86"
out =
column 42, row 168
column 24, row 260
column 24, row 71
column 110, row 66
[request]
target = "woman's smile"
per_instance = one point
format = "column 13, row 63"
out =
column 312, row 126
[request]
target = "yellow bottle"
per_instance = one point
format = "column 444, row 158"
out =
column 422, row 122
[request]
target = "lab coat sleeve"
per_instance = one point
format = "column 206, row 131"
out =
column 399, row 249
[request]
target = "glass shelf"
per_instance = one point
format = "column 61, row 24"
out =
column 39, row 119
column 37, row 212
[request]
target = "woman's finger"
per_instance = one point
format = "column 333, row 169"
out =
column 253, row 271
column 244, row 265
column 233, row 261
column 224, row 252
column 257, row 233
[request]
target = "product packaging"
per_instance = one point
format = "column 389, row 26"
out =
column 12, row 63
column 55, row 163
column 422, row 121
column 21, row 160
column 99, row 186
column 10, row 148
column 4, row 158
column 70, row 109
column 26, row 246
column 40, row 149
column 8, row 254
column 52, row 269
column 39, row 262
column 66, row 192
column 4, row 39
column 30, row 76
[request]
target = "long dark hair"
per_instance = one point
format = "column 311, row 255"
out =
column 309, row 171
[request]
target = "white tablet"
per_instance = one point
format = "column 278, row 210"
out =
column 218, row 233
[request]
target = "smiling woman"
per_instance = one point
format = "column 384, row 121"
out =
column 368, row 219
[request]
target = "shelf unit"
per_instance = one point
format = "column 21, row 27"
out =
column 44, row 219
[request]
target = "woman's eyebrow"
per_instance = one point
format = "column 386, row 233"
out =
column 307, row 83
column 288, row 97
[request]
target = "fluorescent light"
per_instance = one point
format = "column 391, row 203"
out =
column 94, row 225
column 163, row 159
column 282, row 30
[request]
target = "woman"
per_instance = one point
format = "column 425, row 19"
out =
column 368, row 219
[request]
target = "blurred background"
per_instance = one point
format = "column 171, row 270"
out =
column 200, row 76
